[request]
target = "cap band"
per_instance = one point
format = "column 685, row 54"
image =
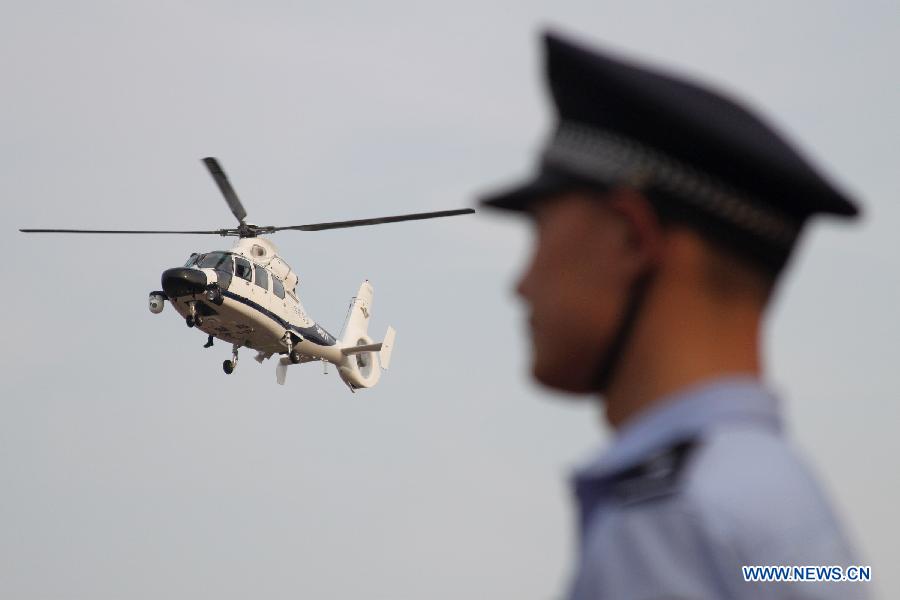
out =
column 611, row 158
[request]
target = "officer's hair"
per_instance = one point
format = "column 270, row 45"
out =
column 730, row 275
column 737, row 264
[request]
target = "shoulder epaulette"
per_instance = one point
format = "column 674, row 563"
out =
column 659, row 475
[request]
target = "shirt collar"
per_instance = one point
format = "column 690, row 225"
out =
column 685, row 414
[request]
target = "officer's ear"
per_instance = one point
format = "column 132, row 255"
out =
column 644, row 234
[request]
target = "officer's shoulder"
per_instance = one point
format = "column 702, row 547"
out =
column 732, row 464
column 751, row 489
column 717, row 470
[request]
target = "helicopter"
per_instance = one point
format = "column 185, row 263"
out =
column 247, row 297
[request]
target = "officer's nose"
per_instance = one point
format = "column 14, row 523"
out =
column 525, row 282
column 182, row 281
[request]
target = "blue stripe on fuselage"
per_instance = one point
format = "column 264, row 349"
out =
column 308, row 333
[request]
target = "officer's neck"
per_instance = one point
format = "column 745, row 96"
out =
column 681, row 339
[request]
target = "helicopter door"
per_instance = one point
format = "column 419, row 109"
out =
column 260, row 289
column 243, row 273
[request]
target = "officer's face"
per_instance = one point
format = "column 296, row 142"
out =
column 576, row 286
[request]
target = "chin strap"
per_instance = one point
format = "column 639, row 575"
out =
column 606, row 369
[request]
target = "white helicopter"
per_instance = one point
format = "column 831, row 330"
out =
column 247, row 296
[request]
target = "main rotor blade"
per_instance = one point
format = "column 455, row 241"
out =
column 212, row 232
column 375, row 221
column 225, row 187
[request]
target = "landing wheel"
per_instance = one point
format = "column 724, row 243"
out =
column 190, row 321
column 198, row 321
column 229, row 365
column 295, row 357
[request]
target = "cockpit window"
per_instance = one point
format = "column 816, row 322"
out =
column 226, row 265
column 192, row 260
column 277, row 287
column 242, row 268
column 212, row 260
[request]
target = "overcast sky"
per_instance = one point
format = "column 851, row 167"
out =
column 132, row 467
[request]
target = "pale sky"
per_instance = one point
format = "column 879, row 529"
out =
column 132, row 467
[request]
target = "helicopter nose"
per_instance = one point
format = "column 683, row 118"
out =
column 182, row 281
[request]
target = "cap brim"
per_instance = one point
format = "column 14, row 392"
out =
column 541, row 187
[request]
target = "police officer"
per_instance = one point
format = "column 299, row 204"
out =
column 665, row 213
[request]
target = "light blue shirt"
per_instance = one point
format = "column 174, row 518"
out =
column 701, row 484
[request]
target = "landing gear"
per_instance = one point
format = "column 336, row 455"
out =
column 193, row 318
column 293, row 355
column 229, row 365
column 209, row 342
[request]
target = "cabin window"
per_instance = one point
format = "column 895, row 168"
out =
column 278, row 287
column 212, row 260
column 242, row 268
column 262, row 278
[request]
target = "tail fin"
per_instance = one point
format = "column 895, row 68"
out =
column 281, row 370
column 387, row 346
column 356, row 326
column 360, row 367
